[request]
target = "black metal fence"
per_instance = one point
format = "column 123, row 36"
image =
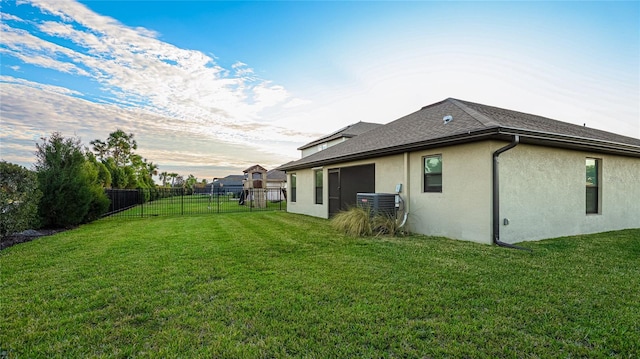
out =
column 147, row 202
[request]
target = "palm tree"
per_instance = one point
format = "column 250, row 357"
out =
column 152, row 169
column 163, row 177
column 173, row 176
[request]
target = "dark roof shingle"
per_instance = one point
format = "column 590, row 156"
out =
column 471, row 121
column 350, row 131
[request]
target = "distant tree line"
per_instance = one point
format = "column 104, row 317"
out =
column 67, row 186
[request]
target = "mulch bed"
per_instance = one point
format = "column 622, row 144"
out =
column 26, row 236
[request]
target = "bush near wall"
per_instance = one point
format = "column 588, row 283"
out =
column 359, row 222
column 19, row 197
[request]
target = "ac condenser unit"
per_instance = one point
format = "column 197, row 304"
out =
column 377, row 203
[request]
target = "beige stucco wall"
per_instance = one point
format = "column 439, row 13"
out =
column 305, row 192
column 313, row 149
column 389, row 172
column 463, row 209
column 543, row 193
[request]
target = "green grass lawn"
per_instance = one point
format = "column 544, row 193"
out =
column 274, row 284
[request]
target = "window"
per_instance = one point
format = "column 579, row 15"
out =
column 593, row 185
column 293, row 187
column 433, row 173
column 318, row 176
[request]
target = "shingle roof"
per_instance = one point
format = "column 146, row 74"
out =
column 471, row 122
column 230, row 180
column 349, row 132
column 276, row 176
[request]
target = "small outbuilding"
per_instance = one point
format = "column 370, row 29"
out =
column 255, row 185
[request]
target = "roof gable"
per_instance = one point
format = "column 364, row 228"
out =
column 255, row 168
column 350, row 131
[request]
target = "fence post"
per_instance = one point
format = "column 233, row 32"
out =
column 141, row 197
column 182, row 203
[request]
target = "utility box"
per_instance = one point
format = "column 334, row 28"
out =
column 377, row 203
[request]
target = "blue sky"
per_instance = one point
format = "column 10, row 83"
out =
column 210, row 87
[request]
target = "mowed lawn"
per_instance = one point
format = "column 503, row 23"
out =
column 274, row 285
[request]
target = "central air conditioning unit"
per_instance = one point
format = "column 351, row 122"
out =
column 377, row 203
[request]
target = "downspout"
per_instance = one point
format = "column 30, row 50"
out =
column 496, row 195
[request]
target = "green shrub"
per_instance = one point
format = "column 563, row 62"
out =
column 19, row 196
column 384, row 224
column 359, row 222
column 72, row 193
column 353, row 222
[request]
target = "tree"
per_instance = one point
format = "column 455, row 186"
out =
column 100, row 148
column 173, row 177
column 164, row 176
column 128, row 169
column 152, row 168
column 72, row 193
column 104, row 176
column 121, row 146
column 179, row 181
column 190, row 183
column 19, row 197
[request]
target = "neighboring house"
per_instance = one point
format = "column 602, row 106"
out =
column 276, row 184
column 276, row 181
column 480, row 173
column 337, row 137
column 229, row 184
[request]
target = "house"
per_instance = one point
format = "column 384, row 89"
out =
column 229, row 184
column 334, row 138
column 480, row 173
column 276, row 185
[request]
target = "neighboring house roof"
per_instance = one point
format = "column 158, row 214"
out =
column 348, row 132
column 276, row 176
column 231, row 180
column 470, row 122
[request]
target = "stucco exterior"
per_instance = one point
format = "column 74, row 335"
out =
column 542, row 192
column 313, row 149
column 305, row 190
column 463, row 209
column 388, row 172
column 539, row 190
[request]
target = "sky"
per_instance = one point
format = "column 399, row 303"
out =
column 210, row 88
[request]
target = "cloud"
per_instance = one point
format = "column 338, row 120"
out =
column 151, row 87
column 9, row 17
column 137, row 68
column 31, row 111
column 39, row 86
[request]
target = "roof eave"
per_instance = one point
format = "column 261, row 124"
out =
column 572, row 142
column 466, row 137
column 495, row 133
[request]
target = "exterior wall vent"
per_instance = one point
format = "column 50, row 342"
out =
column 446, row 119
